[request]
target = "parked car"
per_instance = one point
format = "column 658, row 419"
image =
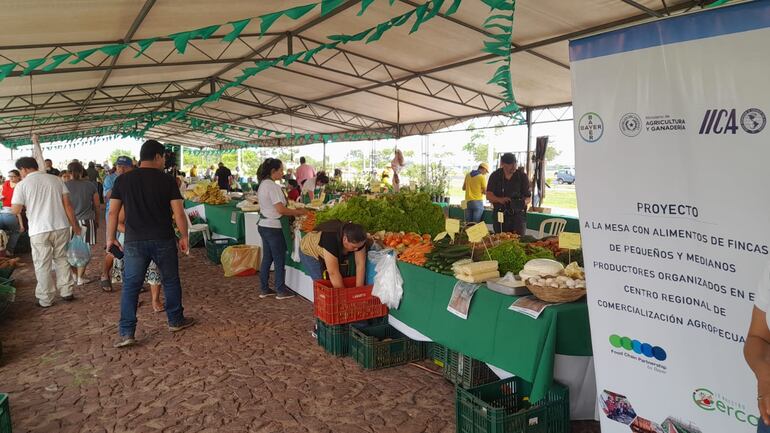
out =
column 565, row 175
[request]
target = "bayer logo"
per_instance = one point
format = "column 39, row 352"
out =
column 753, row 120
column 630, row 125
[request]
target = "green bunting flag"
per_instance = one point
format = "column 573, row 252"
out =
column 365, row 4
column 181, row 39
column 56, row 61
column 453, row 8
column 329, row 5
column 238, row 27
column 144, row 45
column 32, row 65
column 299, row 11
column 82, row 55
column 113, row 50
column 6, row 69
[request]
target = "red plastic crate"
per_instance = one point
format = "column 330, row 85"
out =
column 351, row 304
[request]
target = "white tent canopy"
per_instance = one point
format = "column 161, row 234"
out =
column 403, row 84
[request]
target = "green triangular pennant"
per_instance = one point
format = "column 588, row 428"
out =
column 6, row 69
column 113, row 50
column 453, row 8
column 378, row 32
column 238, row 27
column 299, row 11
column 267, row 21
column 56, row 61
column 420, row 12
column 434, row 10
column 144, row 44
column 32, row 65
column 365, row 4
column 329, row 5
column 82, row 55
column 292, row 58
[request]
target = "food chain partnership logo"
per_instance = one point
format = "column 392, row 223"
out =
column 636, row 346
column 591, row 127
column 719, row 404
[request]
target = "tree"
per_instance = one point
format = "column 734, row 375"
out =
column 478, row 146
column 551, row 153
column 120, row 152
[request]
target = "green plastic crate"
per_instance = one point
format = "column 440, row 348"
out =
column 503, row 407
column 382, row 346
column 439, row 354
column 467, row 372
column 215, row 247
column 5, row 414
column 335, row 339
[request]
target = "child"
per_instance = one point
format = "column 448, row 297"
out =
column 294, row 190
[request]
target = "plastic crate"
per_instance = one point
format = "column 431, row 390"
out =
column 382, row 346
column 503, row 407
column 467, row 372
column 439, row 354
column 335, row 339
column 5, row 414
column 351, row 304
column 6, row 272
column 215, row 247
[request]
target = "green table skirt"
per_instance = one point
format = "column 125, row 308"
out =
column 219, row 217
column 533, row 219
column 506, row 339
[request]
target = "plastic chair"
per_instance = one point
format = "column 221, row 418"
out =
column 203, row 228
column 554, row 225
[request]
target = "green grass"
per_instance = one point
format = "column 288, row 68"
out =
column 566, row 199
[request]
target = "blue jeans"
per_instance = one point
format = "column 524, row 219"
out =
column 10, row 223
column 138, row 255
column 474, row 211
column 273, row 252
column 312, row 266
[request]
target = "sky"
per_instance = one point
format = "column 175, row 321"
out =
column 513, row 139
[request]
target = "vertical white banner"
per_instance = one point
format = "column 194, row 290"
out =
column 672, row 146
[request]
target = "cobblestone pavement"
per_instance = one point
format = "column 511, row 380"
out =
column 249, row 365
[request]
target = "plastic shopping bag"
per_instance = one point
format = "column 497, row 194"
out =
column 241, row 260
column 78, row 252
column 297, row 245
column 388, row 284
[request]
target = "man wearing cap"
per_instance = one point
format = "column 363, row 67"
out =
column 475, row 186
column 508, row 191
column 122, row 165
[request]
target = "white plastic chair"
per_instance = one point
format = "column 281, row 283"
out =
column 554, row 225
column 203, row 228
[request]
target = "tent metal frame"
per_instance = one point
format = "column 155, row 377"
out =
column 265, row 109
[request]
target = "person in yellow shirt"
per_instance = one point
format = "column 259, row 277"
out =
column 475, row 187
column 194, row 171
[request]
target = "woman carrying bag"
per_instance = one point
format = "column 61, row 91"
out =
column 272, row 203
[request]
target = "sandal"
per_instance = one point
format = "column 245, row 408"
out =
column 162, row 309
column 106, row 285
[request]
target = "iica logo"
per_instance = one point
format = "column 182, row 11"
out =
column 638, row 347
column 726, row 121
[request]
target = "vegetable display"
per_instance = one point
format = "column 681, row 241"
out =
column 406, row 211
column 445, row 255
column 308, row 222
column 512, row 255
column 415, row 254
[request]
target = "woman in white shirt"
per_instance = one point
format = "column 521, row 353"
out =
column 310, row 185
column 757, row 349
column 272, row 204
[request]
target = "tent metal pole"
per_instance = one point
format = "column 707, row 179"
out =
column 181, row 157
column 529, row 140
column 324, row 162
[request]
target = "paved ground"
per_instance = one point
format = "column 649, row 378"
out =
column 250, row 365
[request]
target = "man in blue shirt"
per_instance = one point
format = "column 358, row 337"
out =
column 121, row 164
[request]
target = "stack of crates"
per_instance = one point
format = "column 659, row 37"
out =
column 339, row 310
column 466, row 372
column 382, row 346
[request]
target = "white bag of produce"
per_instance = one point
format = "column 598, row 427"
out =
column 388, row 284
column 297, row 244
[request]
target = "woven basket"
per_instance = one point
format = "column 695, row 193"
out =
column 555, row 294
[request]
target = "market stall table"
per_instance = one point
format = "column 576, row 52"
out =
column 220, row 219
column 557, row 345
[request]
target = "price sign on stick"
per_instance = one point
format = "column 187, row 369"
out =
column 452, row 225
column 477, row 232
column 570, row 241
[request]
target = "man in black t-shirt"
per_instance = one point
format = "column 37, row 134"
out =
column 50, row 169
column 508, row 191
column 224, row 177
column 150, row 197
